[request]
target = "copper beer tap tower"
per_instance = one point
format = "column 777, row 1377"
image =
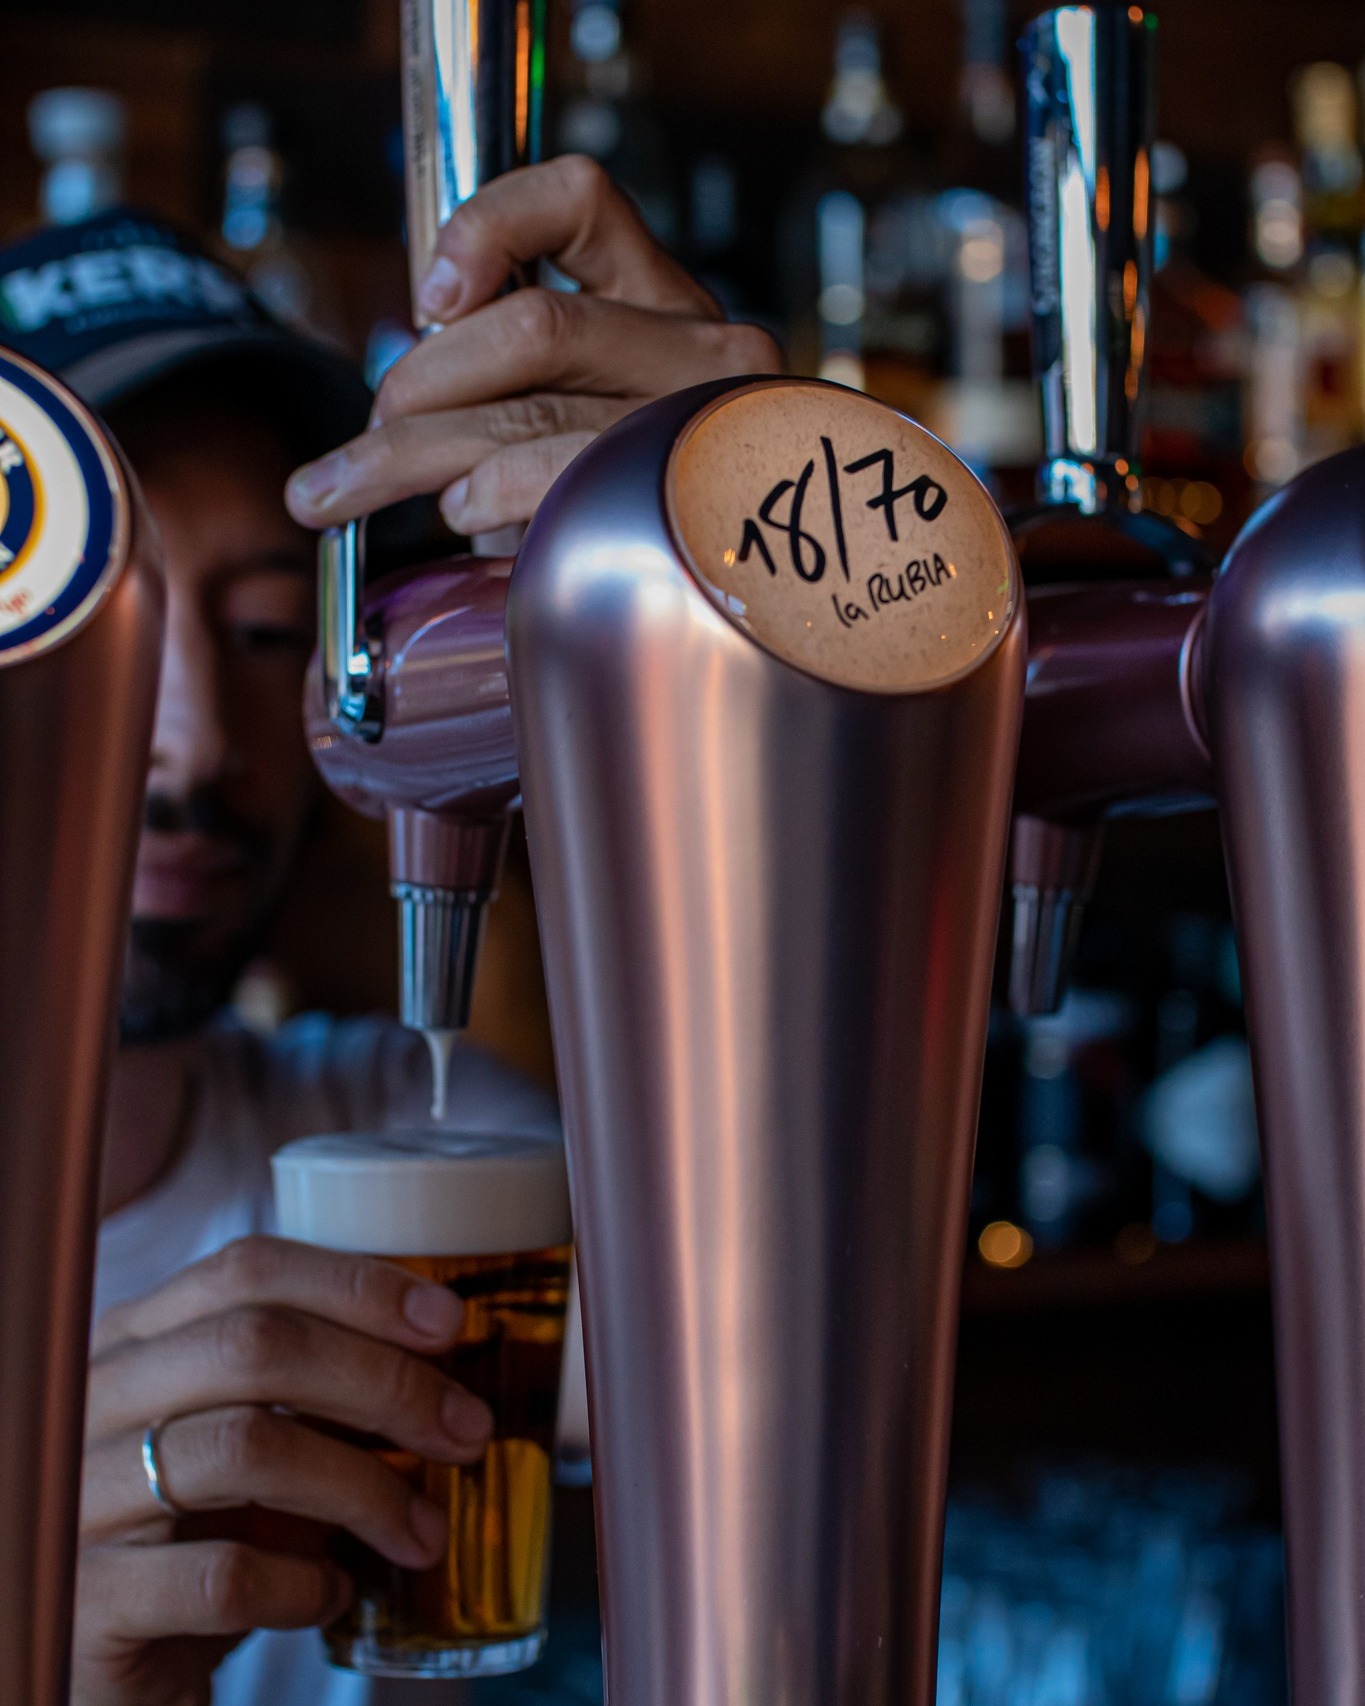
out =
column 81, row 604
column 772, row 685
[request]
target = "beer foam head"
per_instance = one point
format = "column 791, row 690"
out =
column 423, row 1193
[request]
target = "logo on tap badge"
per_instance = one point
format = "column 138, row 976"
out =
column 60, row 512
column 20, row 502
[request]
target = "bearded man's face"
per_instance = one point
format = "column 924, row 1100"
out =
column 230, row 782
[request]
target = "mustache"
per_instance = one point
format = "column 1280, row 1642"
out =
column 203, row 811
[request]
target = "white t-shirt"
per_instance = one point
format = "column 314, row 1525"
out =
column 255, row 1093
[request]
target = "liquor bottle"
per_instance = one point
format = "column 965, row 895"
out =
column 252, row 226
column 861, row 123
column 78, row 134
column 986, row 407
column 1276, row 375
column 713, row 227
column 859, row 111
column 1193, row 438
column 988, row 411
column 253, row 229
column 867, row 251
column 1325, row 114
column 980, row 150
column 604, row 115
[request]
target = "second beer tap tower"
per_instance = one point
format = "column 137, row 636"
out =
column 1148, row 692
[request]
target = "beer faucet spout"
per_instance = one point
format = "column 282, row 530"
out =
column 1112, row 724
column 442, row 774
column 445, row 873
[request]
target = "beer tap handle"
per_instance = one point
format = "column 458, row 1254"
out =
column 1088, row 122
column 473, row 108
column 1088, row 75
column 351, row 659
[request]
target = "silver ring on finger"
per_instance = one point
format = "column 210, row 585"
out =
column 151, row 1467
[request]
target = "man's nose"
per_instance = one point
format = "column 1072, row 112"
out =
column 190, row 746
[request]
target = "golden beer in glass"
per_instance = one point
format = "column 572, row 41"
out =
column 491, row 1217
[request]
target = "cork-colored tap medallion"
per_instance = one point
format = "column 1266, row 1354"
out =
column 844, row 538
column 63, row 515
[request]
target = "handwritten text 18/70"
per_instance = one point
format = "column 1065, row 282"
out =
column 808, row 554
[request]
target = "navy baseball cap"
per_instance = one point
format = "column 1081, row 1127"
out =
column 119, row 302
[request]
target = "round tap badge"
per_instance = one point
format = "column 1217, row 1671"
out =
column 63, row 516
column 843, row 537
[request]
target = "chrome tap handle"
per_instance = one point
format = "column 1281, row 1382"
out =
column 351, row 672
column 1089, row 82
column 473, row 108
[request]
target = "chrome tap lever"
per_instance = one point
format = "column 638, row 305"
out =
column 473, row 108
column 473, row 103
column 1089, row 84
column 351, row 661
column 1088, row 76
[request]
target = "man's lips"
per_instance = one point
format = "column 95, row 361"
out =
column 178, row 873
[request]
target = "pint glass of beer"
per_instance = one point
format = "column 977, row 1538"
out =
column 489, row 1217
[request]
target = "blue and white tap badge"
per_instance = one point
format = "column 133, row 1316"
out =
column 60, row 513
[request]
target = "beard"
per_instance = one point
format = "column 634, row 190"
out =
column 174, row 981
column 179, row 972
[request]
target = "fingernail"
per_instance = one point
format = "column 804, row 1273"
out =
column 439, row 286
column 433, row 1310
column 429, row 1526
column 453, row 501
column 317, row 482
column 465, row 1418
